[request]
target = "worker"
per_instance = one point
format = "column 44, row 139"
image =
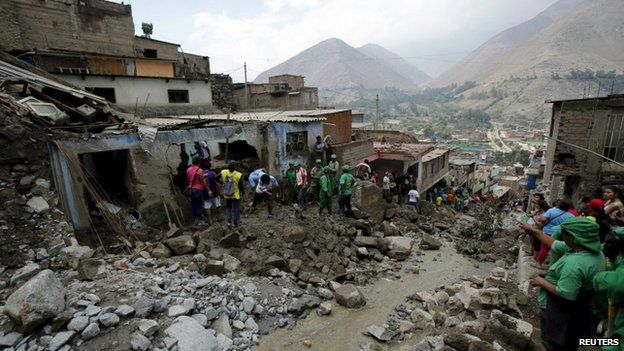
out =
column 346, row 182
column 326, row 191
column 334, row 172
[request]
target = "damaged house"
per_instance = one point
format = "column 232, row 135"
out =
column 581, row 131
column 282, row 92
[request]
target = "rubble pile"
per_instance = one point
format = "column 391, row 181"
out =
column 475, row 314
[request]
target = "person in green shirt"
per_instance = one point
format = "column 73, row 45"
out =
column 565, row 297
column 326, row 191
column 315, row 174
column 291, row 182
column 334, row 172
column 346, row 181
column 611, row 282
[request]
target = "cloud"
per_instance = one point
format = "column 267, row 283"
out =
column 282, row 28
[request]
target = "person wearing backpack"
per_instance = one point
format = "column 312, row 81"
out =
column 195, row 189
column 232, row 190
column 211, row 198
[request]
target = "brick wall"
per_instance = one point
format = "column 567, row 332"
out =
column 222, row 96
column 338, row 125
column 352, row 152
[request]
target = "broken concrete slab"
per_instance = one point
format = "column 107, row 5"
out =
column 349, row 296
column 181, row 245
column 398, row 247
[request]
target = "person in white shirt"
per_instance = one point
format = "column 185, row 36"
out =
column 413, row 196
column 386, row 187
column 264, row 193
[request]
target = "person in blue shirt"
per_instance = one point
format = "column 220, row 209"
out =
column 254, row 177
column 549, row 220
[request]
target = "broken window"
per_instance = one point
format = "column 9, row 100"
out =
column 614, row 137
column 150, row 53
column 178, row 96
column 107, row 93
column 296, row 142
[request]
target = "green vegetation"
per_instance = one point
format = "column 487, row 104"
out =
column 517, row 155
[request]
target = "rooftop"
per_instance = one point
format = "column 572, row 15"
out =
column 461, row 162
column 301, row 116
column 415, row 150
column 434, row 154
column 600, row 98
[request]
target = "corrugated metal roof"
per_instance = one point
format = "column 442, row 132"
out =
column 300, row 116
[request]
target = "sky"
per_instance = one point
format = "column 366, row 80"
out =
column 432, row 34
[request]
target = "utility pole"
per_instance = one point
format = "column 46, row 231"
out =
column 246, row 91
column 227, row 140
column 377, row 112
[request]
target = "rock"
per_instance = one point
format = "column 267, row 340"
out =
column 462, row 299
column 124, row 311
column 422, row 319
column 161, row 251
column 140, row 342
column 367, row 198
column 143, row 306
column 362, row 252
column 92, row 310
column 162, row 304
column 436, row 342
column 325, row 308
column 365, row 241
column 498, row 272
column 211, row 313
column 191, row 336
column 389, row 229
column 349, row 296
column 452, row 321
column 37, row 301
column 109, row 319
column 148, row 327
column 248, row 304
column 222, row 326
column 379, row 333
column 250, row 324
column 24, row 273
column 42, row 254
column 201, row 318
column 10, row 339
column 294, row 265
column 72, row 255
column 428, row 242
column 325, row 293
column 441, row 297
column 333, row 285
column 177, row 310
column 181, row 245
column 90, row 332
column 459, row 341
column 516, row 331
column 275, row 261
column 92, row 269
column 224, row 343
column 294, row 234
column 231, row 240
column 398, row 247
column 297, row 306
column 213, row 267
column 231, row 263
column 60, row 339
column 38, row 205
column 78, row 323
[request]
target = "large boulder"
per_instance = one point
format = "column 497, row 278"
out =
column 349, row 296
column 191, row 336
column 181, row 245
column 72, row 255
column 365, row 241
column 428, row 242
column 398, row 247
column 161, row 251
column 389, row 229
column 368, row 199
column 294, row 234
column 92, row 269
column 37, row 301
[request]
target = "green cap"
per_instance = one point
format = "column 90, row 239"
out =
column 333, row 156
column 326, row 169
column 619, row 232
column 291, row 163
column 584, row 231
column 345, row 168
column 318, row 160
column 297, row 164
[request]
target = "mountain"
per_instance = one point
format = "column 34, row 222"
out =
column 334, row 64
column 489, row 57
column 520, row 68
column 395, row 62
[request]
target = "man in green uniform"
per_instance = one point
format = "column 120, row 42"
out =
column 334, row 172
column 612, row 283
column 315, row 174
column 326, row 191
column 566, row 291
column 346, row 181
column 291, row 182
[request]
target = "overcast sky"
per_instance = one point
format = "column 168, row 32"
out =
column 435, row 33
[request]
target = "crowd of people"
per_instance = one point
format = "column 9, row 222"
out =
column 579, row 253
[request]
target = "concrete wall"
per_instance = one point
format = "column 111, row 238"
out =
column 295, row 82
column 87, row 25
column 354, row 152
column 432, row 171
column 129, row 90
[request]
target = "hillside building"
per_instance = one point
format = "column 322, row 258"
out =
column 283, row 92
column 581, row 131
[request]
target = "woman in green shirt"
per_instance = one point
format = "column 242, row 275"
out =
column 566, row 291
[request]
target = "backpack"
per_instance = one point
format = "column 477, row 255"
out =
column 228, row 186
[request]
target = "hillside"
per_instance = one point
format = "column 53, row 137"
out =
column 333, row 64
column 395, row 62
column 489, row 57
column 528, row 72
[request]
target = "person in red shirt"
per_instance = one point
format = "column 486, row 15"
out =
column 197, row 184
